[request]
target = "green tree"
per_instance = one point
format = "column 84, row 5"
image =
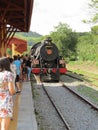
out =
column 94, row 30
column 94, row 8
column 87, row 47
column 65, row 39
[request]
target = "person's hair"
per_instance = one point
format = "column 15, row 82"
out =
column 4, row 64
column 11, row 60
column 15, row 57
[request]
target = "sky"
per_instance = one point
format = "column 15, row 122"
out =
column 47, row 14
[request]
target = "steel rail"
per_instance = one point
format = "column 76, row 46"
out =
column 56, row 108
column 81, row 97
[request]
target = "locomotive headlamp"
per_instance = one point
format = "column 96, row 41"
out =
column 49, row 51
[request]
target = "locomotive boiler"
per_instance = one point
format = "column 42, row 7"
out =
column 46, row 61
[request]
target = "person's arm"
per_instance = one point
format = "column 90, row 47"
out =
column 11, row 88
column 10, row 83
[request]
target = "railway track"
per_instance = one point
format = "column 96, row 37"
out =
column 57, row 109
column 72, row 91
column 48, row 115
column 75, row 105
column 83, row 78
column 60, row 111
column 81, row 97
column 78, row 95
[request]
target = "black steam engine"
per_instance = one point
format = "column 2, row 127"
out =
column 46, row 61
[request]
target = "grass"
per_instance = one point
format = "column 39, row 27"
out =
column 88, row 69
column 89, row 92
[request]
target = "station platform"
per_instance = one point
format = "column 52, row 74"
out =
column 24, row 117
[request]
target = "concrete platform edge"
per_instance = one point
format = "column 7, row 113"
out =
column 26, row 118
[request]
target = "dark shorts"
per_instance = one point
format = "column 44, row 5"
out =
column 17, row 78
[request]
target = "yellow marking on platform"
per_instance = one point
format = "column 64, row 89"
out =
column 13, row 124
column 37, row 79
column 16, row 100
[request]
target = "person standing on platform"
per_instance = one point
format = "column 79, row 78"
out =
column 24, row 72
column 28, row 65
column 6, row 91
column 17, row 62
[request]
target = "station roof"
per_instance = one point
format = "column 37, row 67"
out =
column 16, row 13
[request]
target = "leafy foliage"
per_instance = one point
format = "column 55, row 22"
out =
column 66, row 40
column 93, row 12
column 87, row 48
column 72, row 45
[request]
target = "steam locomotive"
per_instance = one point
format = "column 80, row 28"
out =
column 46, row 61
